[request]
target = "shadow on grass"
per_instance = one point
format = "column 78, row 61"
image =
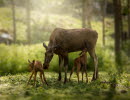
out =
column 18, row 90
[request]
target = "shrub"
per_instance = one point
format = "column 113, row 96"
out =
column 14, row 58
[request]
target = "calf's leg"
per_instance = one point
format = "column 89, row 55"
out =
column 44, row 78
column 30, row 77
column 41, row 77
column 85, row 69
column 78, row 70
column 35, row 74
column 71, row 72
column 82, row 73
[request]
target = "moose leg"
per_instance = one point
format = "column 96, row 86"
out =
column 44, row 78
column 30, row 77
column 60, row 67
column 35, row 74
column 65, row 66
column 72, row 71
column 95, row 59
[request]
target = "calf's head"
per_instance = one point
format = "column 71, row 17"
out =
column 48, row 56
column 31, row 64
column 83, row 52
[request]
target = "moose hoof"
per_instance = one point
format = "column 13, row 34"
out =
column 64, row 82
column 93, row 79
column 59, row 79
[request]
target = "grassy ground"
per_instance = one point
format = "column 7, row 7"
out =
column 14, row 87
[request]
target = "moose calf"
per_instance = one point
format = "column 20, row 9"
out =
column 80, row 64
column 36, row 66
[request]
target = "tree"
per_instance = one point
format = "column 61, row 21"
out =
column 128, row 5
column 28, row 21
column 103, row 21
column 117, row 20
column 14, row 20
column 121, row 23
column 86, row 13
column 89, row 8
column 83, row 13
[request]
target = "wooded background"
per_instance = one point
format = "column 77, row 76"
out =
column 26, row 24
column 32, row 21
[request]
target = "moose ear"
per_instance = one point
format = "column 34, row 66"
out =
column 29, row 61
column 44, row 45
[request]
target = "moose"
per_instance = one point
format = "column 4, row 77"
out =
column 80, row 64
column 36, row 66
column 64, row 41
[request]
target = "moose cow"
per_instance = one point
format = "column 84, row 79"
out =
column 63, row 41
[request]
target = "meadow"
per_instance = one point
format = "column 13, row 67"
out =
column 14, row 87
column 14, row 75
column 14, row 71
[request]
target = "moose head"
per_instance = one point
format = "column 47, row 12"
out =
column 48, row 56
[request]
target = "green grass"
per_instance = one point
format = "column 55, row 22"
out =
column 13, row 87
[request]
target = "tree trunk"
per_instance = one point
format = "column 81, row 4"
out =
column 89, row 22
column 128, row 4
column 103, row 21
column 121, row 24
column 28, row 22
column 14, row 20
column 89, row 12
column 117, row 19
column 83, row 13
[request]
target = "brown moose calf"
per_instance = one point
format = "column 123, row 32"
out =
column 80, row 64
column 36, row 66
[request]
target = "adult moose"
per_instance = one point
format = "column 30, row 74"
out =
column 64, row 41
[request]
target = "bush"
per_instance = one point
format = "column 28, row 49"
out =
column 14, row 58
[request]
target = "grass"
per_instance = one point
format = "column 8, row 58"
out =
column 14, row 87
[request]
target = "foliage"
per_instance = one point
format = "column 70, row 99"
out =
column 41, row 29
column 14, row 58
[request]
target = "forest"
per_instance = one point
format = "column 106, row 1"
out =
column 25, row 25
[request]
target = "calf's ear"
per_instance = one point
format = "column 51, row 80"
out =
column 29, row 61
column 81, row 53
column 33, row 61
column 44, row 45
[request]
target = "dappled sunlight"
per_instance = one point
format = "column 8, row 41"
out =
column 57, row 89
column 56, row 31
column 4, row 86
